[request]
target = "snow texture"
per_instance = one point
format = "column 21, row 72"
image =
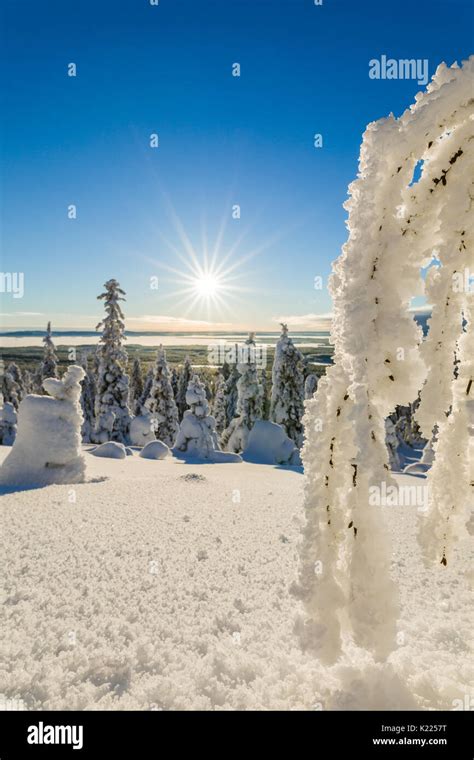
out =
column 166, row 587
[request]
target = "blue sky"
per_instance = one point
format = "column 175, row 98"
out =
column 223, row 140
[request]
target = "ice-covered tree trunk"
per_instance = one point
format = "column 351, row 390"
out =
column 111, row 406
column 136, row 387
column 394, row 225
column 249, row 402
column 161, row 404
column 287, row 399
column 183, row 382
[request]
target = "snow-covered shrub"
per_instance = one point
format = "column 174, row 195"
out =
column 111, row 404
column 161, row 404
column 249, row 403
column 8, row 424
column 47, row 448
column 287, row 407
column 268, row 443
column 155, row 450
column 394, row 226
column 197, row 435
column 110, row 450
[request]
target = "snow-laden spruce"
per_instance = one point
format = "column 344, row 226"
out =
column 161, row 404
column 47, row 447
column 232, row 392
column 219, row 405
column 249, row 400
column 111, row 404
column 197, row 436
column 183, row 383
column 136, row 387
column 49, row 365
column 394, row 226
column 287, row 401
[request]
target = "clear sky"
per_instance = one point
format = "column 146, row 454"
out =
column 146, row 212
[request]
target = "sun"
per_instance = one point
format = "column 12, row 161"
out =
column 206, row 285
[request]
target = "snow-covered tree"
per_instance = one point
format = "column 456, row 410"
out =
column 197, row 435
column 8, row 427
column 265, row 395
column 147, row 385
column 47, row 447
column 88, row 394
column 231, row 392
column 183, row 382
column 392, row 443
column 219, row 405
column 28, row 382
column 380, row 361
column 49, row 365
column 174, row 382
column 161, row 404
column 287, row 407
column 310, row 385
column 136, row 387
column 249, row 401
column 12, row 385
column 111, row 404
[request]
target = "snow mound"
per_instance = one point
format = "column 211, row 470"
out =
column 269, row 444
column 111, row 450
column 141, row 430
column 155, row 450
column 47, row 448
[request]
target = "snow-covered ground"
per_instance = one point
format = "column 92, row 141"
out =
column 166, row 586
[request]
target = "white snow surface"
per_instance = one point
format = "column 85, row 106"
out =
column 158, row 589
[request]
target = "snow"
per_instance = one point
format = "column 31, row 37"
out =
column 167, row 588
column 141, row 430
column 155, row 450
column 47, row 447
column 269, row 444
column 111, row 450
